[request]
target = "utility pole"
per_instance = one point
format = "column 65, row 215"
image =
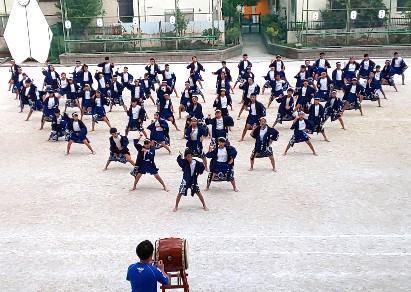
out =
column 139, row 22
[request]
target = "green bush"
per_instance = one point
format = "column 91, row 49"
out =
column 232, row 35
column 272, row 33
column 209, row 32
column 277, row 24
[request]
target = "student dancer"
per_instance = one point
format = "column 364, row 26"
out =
column 13, row 70
column 116, row 94
column 270, row 76
column 28, row 97
column 321, row 65
column 77, row 132
column 399, row 66
column 107, row 68
column 137, row 91
column 285, row 110
column 85, row 77
column 186, row 99
column 191, row 168
column 159, row 133
column 148, row 87
column 194, row 88
column 223, row 83
column 222, row 163
column 301, row 76
column 86, row 101
column 353, row 95
column 316, row 116
column 119, row 151
column 195, row 71
column 225, row 70
column 166, row 110
column 195, row 136
column 366, row 67
column 350, row 70
column 242, row 67
column 277, row 88
column 153, row 70
column 58, row 126
column 220, row 125
column 256, row 110
column 324, row 86
column 337, row 77
column 170, row 78
column 222, row 102
column 372, row 86
column 300, row 126
column 378, row 79
column 99, row 112
column 137, row 115
column 387, row 75
column 305, row 95
column 126, row 78
column 145, row 163
column 50, row 104
column 249, row 87
column 334, row 108
column 279, row 67
column 264, row 136
column 51, row 77
column 76, row 72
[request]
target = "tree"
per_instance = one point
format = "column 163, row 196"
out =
column 181, row 22
column 80, row 13
column 335, row 17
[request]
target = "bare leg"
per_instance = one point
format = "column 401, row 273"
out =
column 29, row 115
column 342, row 123
column 128, row 158
column 383, row 93
column 361, row 111
column 107, row 122
column 158, row 177
column 272, row 162
column 166, row 147
column 111, row 107
column 175, row 91
column 124, row 107
column 286, row 149
column 107, row 164
column 138, row 176
column 275, row 123
column 269, row 103
column 403, row 78
column 144, row 133
column 69, row 146
column 246, row 128
column 177, row 202
column 325, row 137
column 251, row 164
column 200, row 196
column 241, row 111
column 152, row 99
column 211, row 178
column 174, row 123
column 82, row 113
column 205, row 163
column 311, row 147
column 87, row 143
column 379, row 102
column 93, row 123
column 395, row 87
column 234, row 186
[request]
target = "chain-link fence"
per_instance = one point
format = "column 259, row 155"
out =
column 352, row 23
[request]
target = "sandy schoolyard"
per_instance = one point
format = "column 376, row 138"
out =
column 337, row 222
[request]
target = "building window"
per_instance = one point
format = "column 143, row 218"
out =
column 125, row 10
column 402, row 5
column 188, row 14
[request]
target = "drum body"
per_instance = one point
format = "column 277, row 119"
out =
column 173, row 252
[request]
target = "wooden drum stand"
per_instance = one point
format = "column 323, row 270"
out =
column 181, row 281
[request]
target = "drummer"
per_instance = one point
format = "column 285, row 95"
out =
column 144, row 275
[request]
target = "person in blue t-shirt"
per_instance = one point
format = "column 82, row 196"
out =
column 145, row 274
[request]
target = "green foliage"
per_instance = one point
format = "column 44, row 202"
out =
column 232, row 35
column 80, row 13
column 367, row 11
column 181, row 22
column 276, row 24
column 272, row 33
column 407, row 12
column 209, row 32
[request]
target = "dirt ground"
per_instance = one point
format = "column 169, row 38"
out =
column 336, row 222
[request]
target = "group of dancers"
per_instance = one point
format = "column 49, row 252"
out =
column 308, row 105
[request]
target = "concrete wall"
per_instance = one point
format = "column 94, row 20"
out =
column 142, row 58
